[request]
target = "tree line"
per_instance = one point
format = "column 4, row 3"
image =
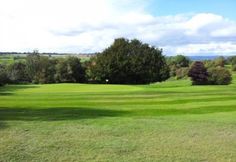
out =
column 43, row 69
column 124, row 62
column 207, row 72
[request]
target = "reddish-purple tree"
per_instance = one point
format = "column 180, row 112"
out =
column 198, row 73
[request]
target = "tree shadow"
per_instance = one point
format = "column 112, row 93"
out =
column 5, row 94
column 56, row 114
column 2, row 125
column 190, row 111
column 191, row 100
column 73, row 113
column 11, row 89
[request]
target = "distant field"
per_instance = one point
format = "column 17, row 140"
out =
column 10, row 58
column 170, row 121
column 7, row 59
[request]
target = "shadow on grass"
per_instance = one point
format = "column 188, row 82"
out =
column 68, row 113
column 2, row 125
column 48, row 114
column 5, row 94
column 190, row 111
column 10, row 89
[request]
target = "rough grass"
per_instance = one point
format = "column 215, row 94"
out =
column 170, row 121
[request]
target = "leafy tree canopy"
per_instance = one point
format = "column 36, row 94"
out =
column 198, row 73
column 129, row 62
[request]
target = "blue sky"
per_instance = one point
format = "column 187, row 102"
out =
column 225, row 8
column 190, row 27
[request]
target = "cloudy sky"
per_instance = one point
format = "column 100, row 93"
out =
column 190, row 27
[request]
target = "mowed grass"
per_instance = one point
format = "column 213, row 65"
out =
column 9, row 59
column 170, row 121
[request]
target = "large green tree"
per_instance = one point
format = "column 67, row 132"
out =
column 3, row 75
column 129, row 62
column 33, row 66
column 179, row 61
column 41, row 69
column 177, row 64
column 70, row 69
column 17, row 72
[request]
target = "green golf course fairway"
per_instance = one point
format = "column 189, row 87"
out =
column 169, row 121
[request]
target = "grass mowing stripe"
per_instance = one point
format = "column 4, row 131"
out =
column 169, row 121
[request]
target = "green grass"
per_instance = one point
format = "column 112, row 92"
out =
column 169, row 121
column 9, row 59
column 6, row 59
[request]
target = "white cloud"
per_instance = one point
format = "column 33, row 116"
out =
column 204, row 49
column 200, row 21
column 90, row 26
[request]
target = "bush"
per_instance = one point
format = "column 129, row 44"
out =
column 198, row 73
column 182, row 73
column 219, row 76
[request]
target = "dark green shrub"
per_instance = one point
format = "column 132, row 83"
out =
column 219, row 76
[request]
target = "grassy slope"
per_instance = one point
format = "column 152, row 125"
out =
column 171, row 121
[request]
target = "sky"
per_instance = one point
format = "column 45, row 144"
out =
column 189, row 27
